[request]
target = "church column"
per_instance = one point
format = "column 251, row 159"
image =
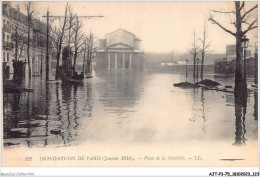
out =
column 123, row 60
column 115, row 61
column 130, row 61
column 108, row 58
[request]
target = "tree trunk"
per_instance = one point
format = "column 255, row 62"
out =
column 58, row 63
column 60, row 43
column 41, row 61
column 83, row 69
column 75, row 58
column 28, row 52
column 89, row 74
column 16, row 55
column 194, row 66
column 239, row 79
column 239, row 75
column 202, row 65
column 256, row 68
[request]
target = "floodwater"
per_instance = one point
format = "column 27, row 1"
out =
column 129, row 107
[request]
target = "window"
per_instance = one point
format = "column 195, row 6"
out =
column 4, row 36
column 7, row 57
column 7, row 38
column 4, row 55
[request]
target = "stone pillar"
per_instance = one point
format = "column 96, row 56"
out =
column 115, row 61
column 108, row 58
column 130, row 61
column 123, row 60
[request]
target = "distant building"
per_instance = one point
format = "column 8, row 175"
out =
column 228, row 65
column 231, row 52
column 120, row 50
column 13, row 19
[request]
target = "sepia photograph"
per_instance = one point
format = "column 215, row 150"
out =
column 129, row 84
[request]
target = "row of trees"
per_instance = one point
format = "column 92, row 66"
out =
column 244, row 20
column 63, row 31
column 21, row 35
column 69, row 32
column 202, row 48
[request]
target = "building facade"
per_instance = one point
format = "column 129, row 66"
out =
column 231, row 52
column 14, row 32
column 120, row 50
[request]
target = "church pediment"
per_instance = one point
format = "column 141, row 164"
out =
column 120, row 46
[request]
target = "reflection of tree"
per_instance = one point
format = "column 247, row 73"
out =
column 28, row 111
column 75, row 108
column 240, row 113
column 58, row 112
column 194, row 109
column 256, row 105
column 58, row 103
column 66, row 96
column 70, row 98
column 203, row 110
column 89, row 100
column 47, row 107
column 11, row 113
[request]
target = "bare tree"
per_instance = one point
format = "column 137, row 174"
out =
column 205, row 45
column 31, row 17
column 58, row 39
column 91, row 53
column 84, row 53
column 242, row 17
column 194, row 51
column 77, row 42
column 69, row 32
column 19, row 38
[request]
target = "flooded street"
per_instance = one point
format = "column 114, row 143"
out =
column 126, row 107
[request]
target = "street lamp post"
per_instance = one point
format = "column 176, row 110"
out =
column 245, row 42
column 197, row 69
column 186, row 70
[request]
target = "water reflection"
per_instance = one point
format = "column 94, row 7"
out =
column 203, row 111
column 57, row 114
column 256, row 105
column 240, row 114
column 120, row 91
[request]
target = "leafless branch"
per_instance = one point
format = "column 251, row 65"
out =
column 242, row 6
column 222, row 27
column 250, row 27
column 224, row 12
column 250, row 10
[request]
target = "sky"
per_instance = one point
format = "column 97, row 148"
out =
column 162, row 26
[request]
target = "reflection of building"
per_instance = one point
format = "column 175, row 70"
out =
column 120, row 50
column 14, row 25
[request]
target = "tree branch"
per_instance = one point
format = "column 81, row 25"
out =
column 223, row 12
column 249, row 29
column 222, row 27
column 241, row 7
column 249, row 11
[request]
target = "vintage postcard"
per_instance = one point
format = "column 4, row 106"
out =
column 129, row 84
